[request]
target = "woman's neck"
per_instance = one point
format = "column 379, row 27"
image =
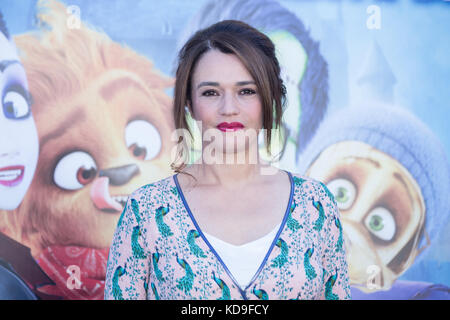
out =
column 230, row 177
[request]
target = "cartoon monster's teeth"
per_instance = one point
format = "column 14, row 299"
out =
column 101, row 197
column 121, row 199
column 9, row 175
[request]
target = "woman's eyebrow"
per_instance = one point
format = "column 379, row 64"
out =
column 6, row 63
column 207, row 83
column 216, row 84
column 244, row 83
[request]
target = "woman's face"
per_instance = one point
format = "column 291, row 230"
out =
column 18, row 135
column 223, row 91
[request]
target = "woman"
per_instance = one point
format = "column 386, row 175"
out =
column 223, row 228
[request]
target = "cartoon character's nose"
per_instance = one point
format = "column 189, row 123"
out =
column 120, row 175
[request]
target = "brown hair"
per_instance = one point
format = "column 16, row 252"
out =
column 255, row 50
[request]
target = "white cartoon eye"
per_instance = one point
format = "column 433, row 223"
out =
column 143, row 139
column 344, row 192
column 381, row 223
column 15, row 105
column 75, row 170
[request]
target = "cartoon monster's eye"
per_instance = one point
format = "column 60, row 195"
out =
column 381, row 223
column 142, row 139
column 75, row 170
column 344, row 192
column 15, row 105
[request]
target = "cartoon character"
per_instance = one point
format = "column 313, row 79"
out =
column 302, row 66
column 19, row 145
column 104, row 123
column 19, row 148
column 390, row 179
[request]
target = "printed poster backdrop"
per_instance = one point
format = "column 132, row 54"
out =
column 86, row 119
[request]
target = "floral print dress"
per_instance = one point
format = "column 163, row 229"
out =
column 159, row 251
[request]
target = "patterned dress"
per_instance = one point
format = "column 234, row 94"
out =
column 170, row 258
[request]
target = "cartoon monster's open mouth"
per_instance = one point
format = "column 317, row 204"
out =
column 12, row 175
column 103, row 200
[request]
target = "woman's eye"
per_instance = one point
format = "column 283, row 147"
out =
column 75, row 170
column 248, row 91
column 142, row 139
column 209, row 93
column 15, row 105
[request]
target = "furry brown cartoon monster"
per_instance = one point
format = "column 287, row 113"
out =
column 104, row 123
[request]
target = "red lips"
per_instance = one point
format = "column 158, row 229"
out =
column 225, row 126
column 11, row 176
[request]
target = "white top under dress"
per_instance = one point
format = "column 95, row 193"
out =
column 243, row 260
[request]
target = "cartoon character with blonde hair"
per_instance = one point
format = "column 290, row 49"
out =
column 104, row 124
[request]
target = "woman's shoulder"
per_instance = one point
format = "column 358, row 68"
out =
column 301, row 179
column 314, row 186
column 318, row 192
column 154, row 188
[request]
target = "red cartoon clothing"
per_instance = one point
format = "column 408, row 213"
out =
column 79, row 273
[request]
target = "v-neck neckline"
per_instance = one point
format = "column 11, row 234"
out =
column 269, row 251
column 247, row 244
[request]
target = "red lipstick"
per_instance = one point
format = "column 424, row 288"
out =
column 233, row 126
column 12, row 175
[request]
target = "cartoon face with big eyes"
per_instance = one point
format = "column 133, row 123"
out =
column 104, row 124
column 19, row 144
column 382, row 209
column 110, row 139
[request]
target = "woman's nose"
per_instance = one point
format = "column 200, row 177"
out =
column 229, row 105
